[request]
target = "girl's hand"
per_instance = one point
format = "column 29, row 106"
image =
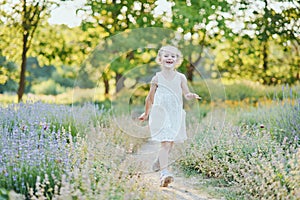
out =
column 192, row 96
column 143, row 117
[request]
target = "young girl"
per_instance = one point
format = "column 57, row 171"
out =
column 164, row 106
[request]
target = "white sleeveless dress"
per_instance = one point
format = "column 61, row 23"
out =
column 167, row 117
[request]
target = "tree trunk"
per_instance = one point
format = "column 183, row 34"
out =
column 267, row 80
column 296, row 45
column 119, row 82
column 265, row 56
column 189, row 71
column 191, row 66
column 23, row 68
column 106, row 84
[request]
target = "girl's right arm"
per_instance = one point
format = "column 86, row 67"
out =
column 149, row 99
column 185, row 89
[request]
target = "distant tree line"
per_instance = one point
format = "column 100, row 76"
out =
column 253, row 40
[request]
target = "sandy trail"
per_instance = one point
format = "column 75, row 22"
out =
column 182, row 188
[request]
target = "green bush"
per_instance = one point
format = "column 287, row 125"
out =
column 209, row 90
column 8, row 86
column 49, row 87
column 247, row 158
column 281, row 118
column 269, row 175
column 243, row 90
column 65, row 76
column 213, row 90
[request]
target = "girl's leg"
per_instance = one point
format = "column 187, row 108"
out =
column 171, row 147
column 165, row 178
column 164, row 154
column 156, row 165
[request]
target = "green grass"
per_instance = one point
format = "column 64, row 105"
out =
column 210, row 90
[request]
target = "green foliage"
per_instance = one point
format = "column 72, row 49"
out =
column 61, row 45
column 38, row 72
column 212, row 91
column 3, row 194
column 8, row 78
column 49, row 80
column 209, row 90
column 8, row 86
column 261, row 40
column 119, row 22
column 239, row 60
column 64, row 76
column 270, row 56
column 48, row 87
column 240, row 91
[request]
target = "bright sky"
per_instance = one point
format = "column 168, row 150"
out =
column 66, row 13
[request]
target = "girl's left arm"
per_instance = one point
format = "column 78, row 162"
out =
column 185, row 89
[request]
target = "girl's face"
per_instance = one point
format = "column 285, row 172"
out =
column 168, row 59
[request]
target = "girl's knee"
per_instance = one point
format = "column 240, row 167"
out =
column 166, row 145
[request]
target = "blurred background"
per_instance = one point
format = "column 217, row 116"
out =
column 48, row 48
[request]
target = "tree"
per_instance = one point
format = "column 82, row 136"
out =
column 25, row 17
column 116, row 17
column 269, row 23
column 198, row 22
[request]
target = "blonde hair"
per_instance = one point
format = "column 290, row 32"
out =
column 170, row 49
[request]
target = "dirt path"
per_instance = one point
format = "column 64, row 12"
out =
column 182, row 188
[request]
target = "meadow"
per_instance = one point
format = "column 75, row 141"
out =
column 246, row 146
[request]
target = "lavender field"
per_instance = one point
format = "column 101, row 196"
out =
column 60, row 152
column 51, row 151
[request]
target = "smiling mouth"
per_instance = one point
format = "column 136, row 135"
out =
column 169, row 62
